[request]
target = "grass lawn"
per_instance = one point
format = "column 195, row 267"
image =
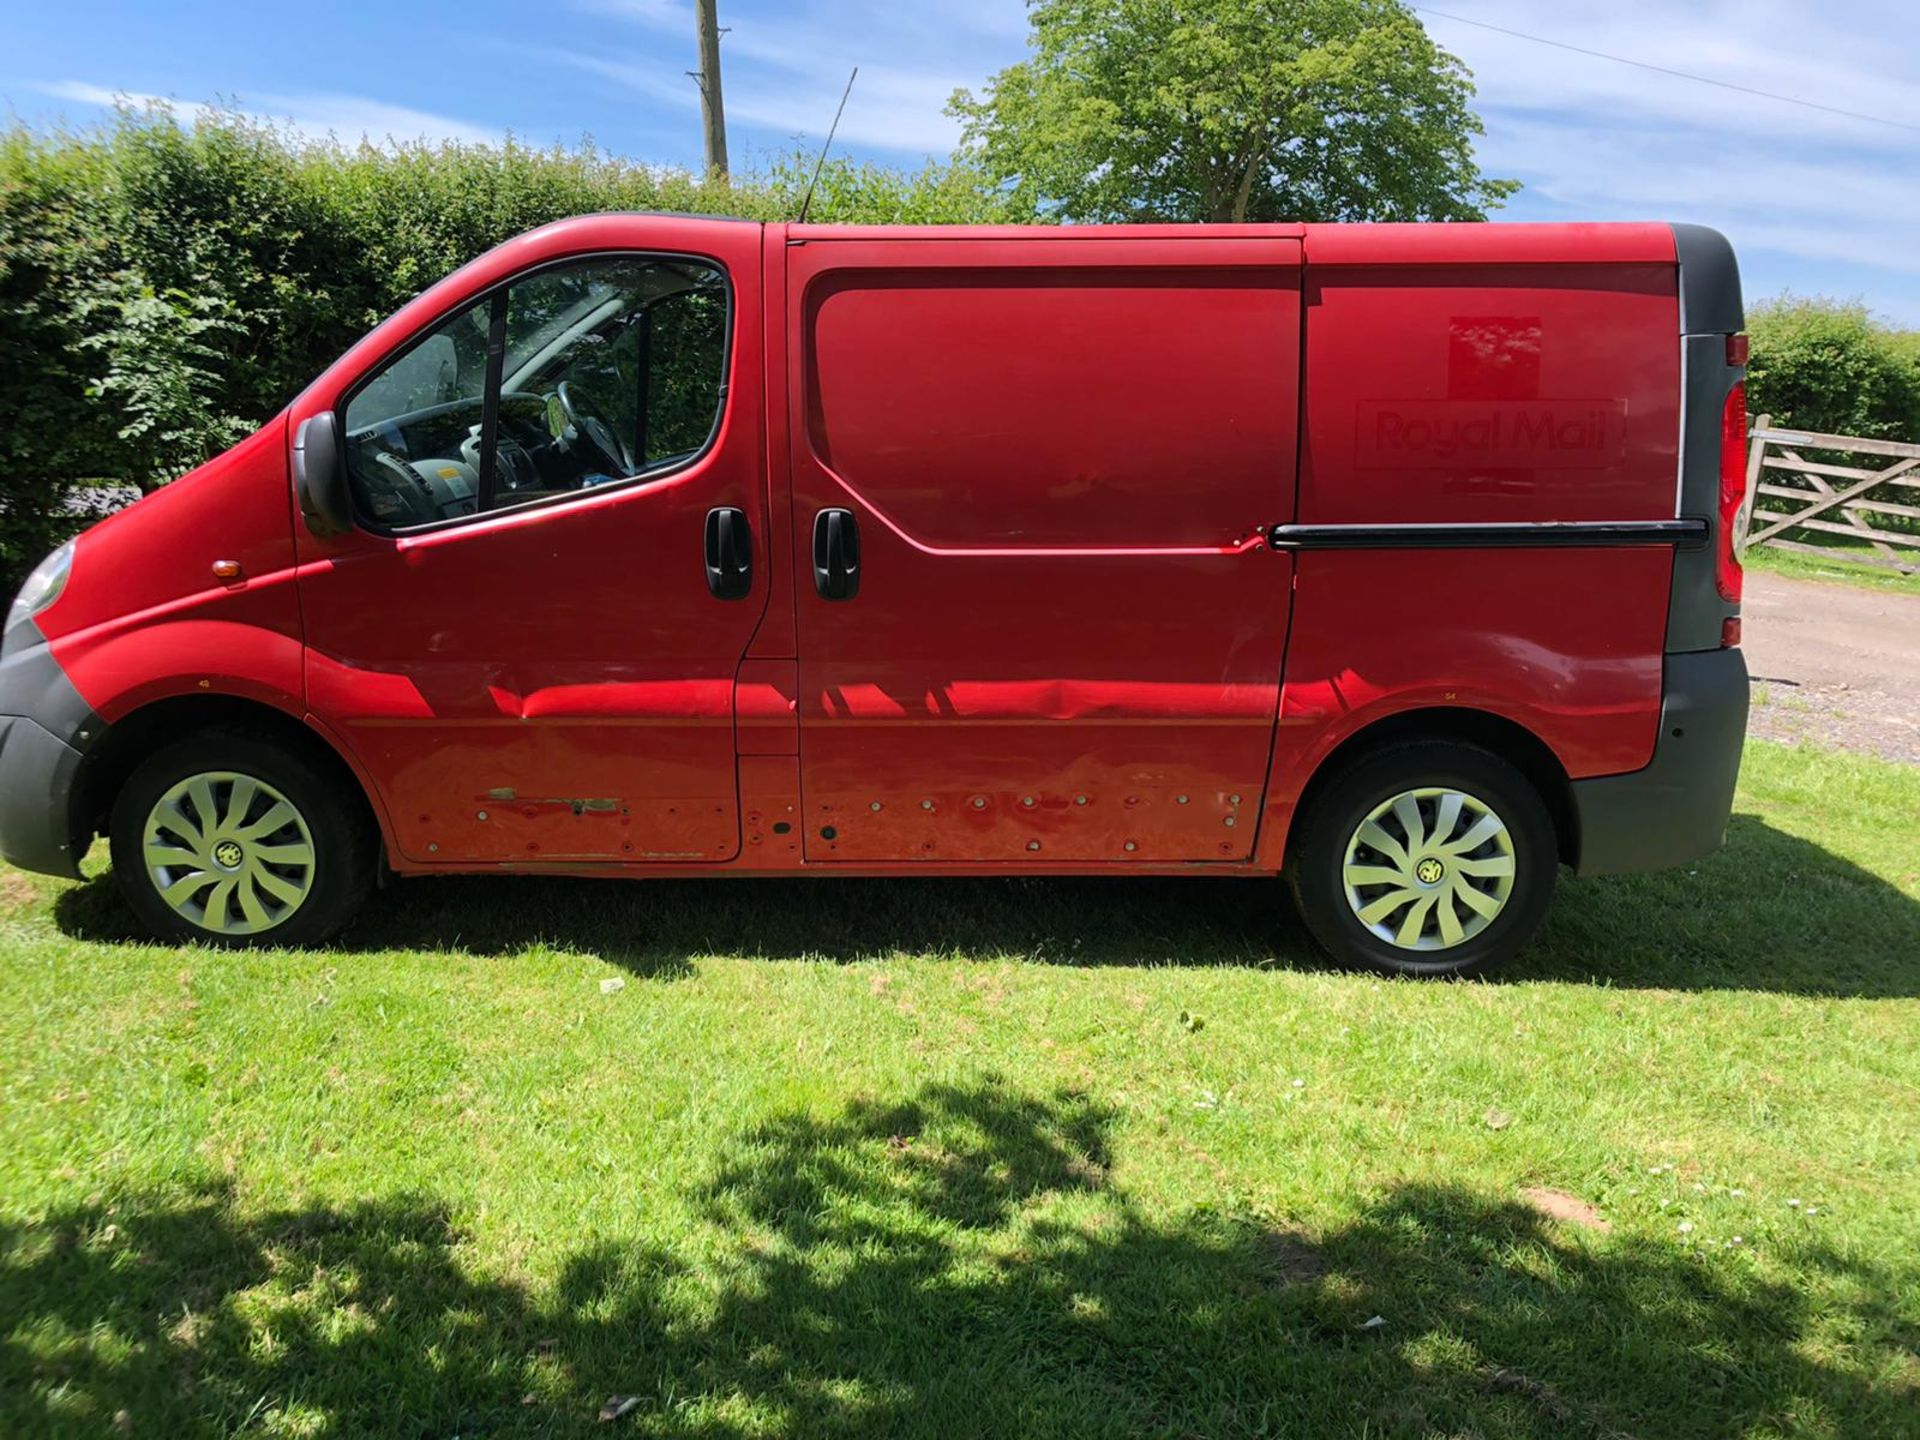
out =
column 955, row 1158
column 1839, row 567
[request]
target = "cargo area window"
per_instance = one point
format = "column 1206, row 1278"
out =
column 597, row 372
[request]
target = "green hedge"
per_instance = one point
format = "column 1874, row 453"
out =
column 165, row 288
column 1831, row 367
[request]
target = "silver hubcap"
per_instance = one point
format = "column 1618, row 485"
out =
column 228, row 852
column 1429, row 869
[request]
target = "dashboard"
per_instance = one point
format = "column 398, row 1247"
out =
column 424, row 467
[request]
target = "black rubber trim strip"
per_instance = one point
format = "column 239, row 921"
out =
column 1709, row 282
column 1511, row 535
column 490, row 398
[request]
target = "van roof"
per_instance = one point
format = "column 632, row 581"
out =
column 1492, row 242
column 1430, row 242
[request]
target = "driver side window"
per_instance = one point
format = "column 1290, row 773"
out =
column 586, row 374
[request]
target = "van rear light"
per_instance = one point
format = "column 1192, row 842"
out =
column 1733, row 492
column 1737, row 350
column 1730, row 633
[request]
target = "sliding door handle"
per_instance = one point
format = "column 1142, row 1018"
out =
column 729, row 553
column 836, row 555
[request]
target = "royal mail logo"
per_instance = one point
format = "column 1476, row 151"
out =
column 1491, row 434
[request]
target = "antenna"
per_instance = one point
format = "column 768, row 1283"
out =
column 821, row 162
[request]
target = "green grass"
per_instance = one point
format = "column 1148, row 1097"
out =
column 1838, row 567
column 955, row 1158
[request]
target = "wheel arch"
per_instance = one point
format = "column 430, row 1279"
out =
column 142, row 731
column 1505, row 738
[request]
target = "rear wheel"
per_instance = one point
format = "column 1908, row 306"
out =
column 1426, row 859
column 230, row 840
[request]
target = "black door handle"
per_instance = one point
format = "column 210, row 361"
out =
column 836, row 555
column 729, row 553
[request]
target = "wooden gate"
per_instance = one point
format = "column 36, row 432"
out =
column 1791, row 494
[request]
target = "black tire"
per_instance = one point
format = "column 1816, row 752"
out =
column 1334, row 817
column 344, row 842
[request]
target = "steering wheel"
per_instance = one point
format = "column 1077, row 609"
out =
column 601, row 434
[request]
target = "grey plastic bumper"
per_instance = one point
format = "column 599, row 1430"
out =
column 37, row 775
column 1677, row 808
column 45, row 732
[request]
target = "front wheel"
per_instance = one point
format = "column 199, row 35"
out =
column 1426, row 859
column 231, row 840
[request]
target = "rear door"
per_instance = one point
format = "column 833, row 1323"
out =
column 1053, row 453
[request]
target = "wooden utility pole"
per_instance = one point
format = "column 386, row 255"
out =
column 712, row 108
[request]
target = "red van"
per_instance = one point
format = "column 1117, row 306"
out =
column 1394, row 559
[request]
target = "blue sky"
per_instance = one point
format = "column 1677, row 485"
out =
column 1815, row 202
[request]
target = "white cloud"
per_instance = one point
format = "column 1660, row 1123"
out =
column 1797, row 188
column 784, row 71
column 1760, row 45
column 1801, row 192
column 1815, row 200
column 889, row 108
column 312, row 117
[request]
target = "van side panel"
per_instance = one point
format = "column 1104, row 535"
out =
column 1458, row 376
column 1060, row 452
column 1376, row 633
column 1116, row 405
column 1473, row 393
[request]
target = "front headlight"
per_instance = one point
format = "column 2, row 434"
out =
column 43, row 586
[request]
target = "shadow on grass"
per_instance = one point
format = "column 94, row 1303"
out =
column 1769, row 912
column 958, row 1262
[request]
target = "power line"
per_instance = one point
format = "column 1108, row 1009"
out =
column 1663, row 70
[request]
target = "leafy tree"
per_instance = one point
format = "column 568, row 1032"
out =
column 1232, row 110
column 1830, row 367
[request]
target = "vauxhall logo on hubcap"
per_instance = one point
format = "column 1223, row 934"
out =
column 1429, row 871
column 228, row 854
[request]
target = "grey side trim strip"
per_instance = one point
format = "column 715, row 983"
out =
column 1526, row 535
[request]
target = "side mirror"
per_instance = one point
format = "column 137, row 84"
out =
column 320, row 476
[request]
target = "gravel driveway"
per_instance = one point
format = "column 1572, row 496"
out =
column 1834, row 664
